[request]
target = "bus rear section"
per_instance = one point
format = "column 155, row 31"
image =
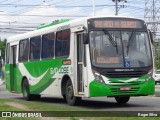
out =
column 11, row 67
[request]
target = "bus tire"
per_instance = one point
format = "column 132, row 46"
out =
column 35, row 97
column 70, row 98
column 64, row 97
column 156, row 82
column 26, row 90
column 122, row 100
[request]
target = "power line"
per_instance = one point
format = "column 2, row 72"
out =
column 60, row 6
column 3, row 1
column 51, row 15
column 69, row 14
column 16, row 29
column 152, row 10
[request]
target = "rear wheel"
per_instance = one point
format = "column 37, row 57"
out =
column 35, row 97
column 70, row 98
column 26, row 90
column 122, row 100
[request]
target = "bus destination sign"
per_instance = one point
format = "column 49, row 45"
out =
column 117, row 23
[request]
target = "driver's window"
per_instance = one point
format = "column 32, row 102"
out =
column 140, row 42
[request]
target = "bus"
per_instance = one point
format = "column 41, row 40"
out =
column 86, row 57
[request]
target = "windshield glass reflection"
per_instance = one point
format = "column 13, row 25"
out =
column 114, row 49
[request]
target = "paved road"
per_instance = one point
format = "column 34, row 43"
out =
column 157, row 90
column 5, row 94
column 143, row 103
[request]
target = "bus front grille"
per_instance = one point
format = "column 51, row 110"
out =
column 124, row 74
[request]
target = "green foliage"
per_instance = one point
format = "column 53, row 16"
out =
column 3, row 47
column 157, row 64
column 157, row 58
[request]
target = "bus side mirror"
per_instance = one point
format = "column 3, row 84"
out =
column 151, row 36
column 85, row 38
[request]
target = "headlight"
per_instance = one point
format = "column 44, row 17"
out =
column 149, row 75
column 98, row 77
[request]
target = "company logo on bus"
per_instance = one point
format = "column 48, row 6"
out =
column 62, row 70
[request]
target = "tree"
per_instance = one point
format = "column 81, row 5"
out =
column 3, row 47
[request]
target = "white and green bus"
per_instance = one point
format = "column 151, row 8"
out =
column 87, row 57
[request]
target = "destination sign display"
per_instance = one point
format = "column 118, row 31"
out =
column 116, row 23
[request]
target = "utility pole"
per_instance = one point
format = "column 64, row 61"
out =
column 152, row 16
column 116, row 7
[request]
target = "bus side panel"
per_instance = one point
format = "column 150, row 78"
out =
column 8, row 74
column 48, row 79
column 41, row 74
column 13, row 78
column 18, row 80
column 53, row 78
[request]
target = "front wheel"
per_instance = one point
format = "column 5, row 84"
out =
column 122, row 100
column 157, row 82
column 70, row 98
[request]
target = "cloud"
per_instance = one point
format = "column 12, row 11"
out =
column 105, row 11
column 111, row 12
column 34, row 17
column 4, row 18
column 36, row 14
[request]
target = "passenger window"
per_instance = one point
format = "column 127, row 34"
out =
column 35, row 48
column 48, row 45
column 23, row 50
column 63, row 43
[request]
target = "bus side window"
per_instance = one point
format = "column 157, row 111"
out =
column 48, row 45
column 23, row 50
column 62, row 43
column 35, row 44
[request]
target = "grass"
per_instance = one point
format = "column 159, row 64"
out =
column 38, row 106
column 4, row 107
column 116, row 118
column 61, row 106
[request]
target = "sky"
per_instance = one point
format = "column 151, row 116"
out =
column 19, row 16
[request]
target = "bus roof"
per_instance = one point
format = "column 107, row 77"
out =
column 72, row 23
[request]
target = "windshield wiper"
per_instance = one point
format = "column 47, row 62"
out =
column 114, row 43
column 129, row 41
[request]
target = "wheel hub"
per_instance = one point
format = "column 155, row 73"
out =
column 70, row 92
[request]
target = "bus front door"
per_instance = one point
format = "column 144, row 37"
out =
column 13, row 68
column 80, row 54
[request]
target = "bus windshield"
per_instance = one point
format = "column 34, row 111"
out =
column 119, row 49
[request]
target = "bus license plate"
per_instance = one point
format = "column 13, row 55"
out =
column 123, row 88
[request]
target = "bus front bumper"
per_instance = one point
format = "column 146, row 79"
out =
column 139, row 89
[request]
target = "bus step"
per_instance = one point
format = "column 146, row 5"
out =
column 13, row 91
column 80, row 93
